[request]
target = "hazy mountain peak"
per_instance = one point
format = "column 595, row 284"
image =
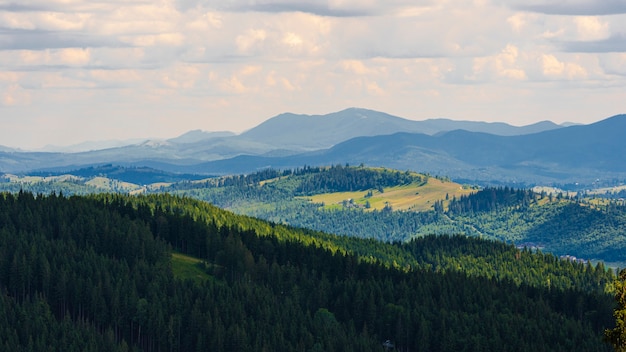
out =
column 321, row 131
column 90, row 146
column 199, row 135
column 289, row 130
column 155, row 143
column 621, row 118
column 4, row 149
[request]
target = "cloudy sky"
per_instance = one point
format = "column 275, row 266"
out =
column 76, row 70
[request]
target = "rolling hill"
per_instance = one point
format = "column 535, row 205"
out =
column 406, row 205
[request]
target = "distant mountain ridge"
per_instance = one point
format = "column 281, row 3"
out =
column 89, row 146
column 328, row 130
column 137, row 175
column 4, row 149
column 576, row 152
column 542, row 152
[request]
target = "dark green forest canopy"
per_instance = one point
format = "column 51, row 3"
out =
column 94, row 274
column 556, row 223
column 314, row 180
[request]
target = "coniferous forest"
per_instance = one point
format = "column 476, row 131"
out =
column 99, row 273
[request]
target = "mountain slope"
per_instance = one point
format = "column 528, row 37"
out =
column 199, row 135
column 498, row 128
column 322, row 131
column 598, row 146
column 4, row 149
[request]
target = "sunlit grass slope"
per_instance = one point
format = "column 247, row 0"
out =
column 413, row 197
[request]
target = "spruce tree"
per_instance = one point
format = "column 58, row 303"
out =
column 617, row 336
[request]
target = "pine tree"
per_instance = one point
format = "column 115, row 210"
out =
column 617, row 336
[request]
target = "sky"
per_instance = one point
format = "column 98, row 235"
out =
column 78, row 70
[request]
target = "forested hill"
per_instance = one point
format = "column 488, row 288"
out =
column 98, row 273
column 392, row 205
column 388, row 205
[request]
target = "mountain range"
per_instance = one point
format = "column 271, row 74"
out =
column 324, row 131
column 489, row 152
column 573, row 154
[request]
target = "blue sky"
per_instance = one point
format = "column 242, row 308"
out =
column 76, row 70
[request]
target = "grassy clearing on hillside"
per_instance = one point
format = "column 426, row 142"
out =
column 262, row 183
column 185, row 267
column 602, row 191
column 413, row 197
column 108, row 184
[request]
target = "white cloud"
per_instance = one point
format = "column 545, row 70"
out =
column 244, row 79
column 116, row 76
column 72, row 57
column 554, row 68
column 571, row 7
column 16, row 21
column 15, row 95
column 518, row 21
column 591, row 28
column 374, row 89
column 169, row 39
column 252, row 59
column 505, row 65
column 356, row 67
column 251, row 39
column 293, row 40
column 9, row 76
column 55, row 80
column 614, row 64
column 182, row 76
column 131, row 19
column 204, row 21
column 287, row 85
